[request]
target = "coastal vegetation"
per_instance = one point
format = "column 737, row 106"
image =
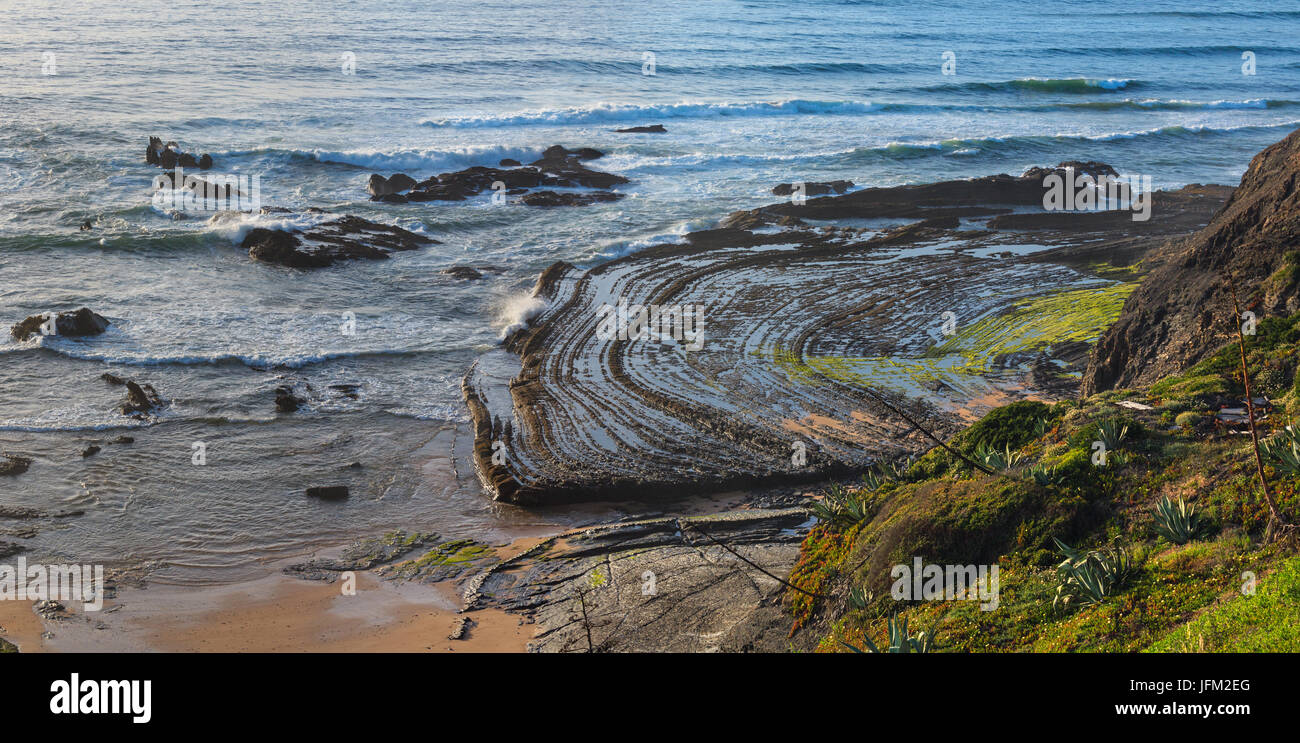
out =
column 1128, row 520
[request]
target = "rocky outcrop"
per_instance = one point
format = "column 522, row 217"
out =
column 567, row 198
column 1182, row 312
column 73, row 324
column 342, row 239
column 650, row 129
column 558, row 167
column 170, row 155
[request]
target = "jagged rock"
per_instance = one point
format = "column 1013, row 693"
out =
column 91, row 451
column 813, row 189
column 12, row 464
column 87, row 225
column 345, row 238
column 141, row 400
column 169, row 156
column 76, row 324
column 1182, row 311
column 651, row 129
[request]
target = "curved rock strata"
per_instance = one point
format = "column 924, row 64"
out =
column 781, row 355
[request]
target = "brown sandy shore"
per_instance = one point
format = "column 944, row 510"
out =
column 277, row 613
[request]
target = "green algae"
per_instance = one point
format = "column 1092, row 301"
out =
column 975, row 352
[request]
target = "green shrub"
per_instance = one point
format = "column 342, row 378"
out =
column 1190, row 419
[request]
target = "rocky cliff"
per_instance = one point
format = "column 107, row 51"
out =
column 1183, row 310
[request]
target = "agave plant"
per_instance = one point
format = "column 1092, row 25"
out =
column 1179, row 523
column 842, row 507
column 860, row 598
column 1043, row 475
column 1087, row 578
column 999, row 459
column 899, row 640
column 1112, row 432
column 1283, row 451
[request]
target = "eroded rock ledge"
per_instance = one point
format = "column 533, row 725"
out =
column 820, row 322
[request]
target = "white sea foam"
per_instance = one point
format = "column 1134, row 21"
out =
column 608, row 113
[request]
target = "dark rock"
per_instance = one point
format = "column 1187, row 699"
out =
column 12, row 464
column 462, row 272
column 813, row 189
column 140, row 400
column 651, row 129
column 380, row 187
column 76, row 324
column 345, row 238
column 169, row 156
column 568, row 198
column 124, row 440
column 1090, row 168
column 91, row 451
column 112, row 379
column 509, row 162
column 330, row 492
column 286, row 401
column 87, row 225
column 399, row 182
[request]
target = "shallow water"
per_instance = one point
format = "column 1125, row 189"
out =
column 752, row 93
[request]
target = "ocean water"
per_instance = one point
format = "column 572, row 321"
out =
column 752, row 94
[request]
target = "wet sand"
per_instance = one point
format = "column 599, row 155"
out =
column 277, row 613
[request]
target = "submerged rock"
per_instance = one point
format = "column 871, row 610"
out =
column 286, row 401
column 651, row 129
column 75, row 324
column 12, row 464
column 567, row 198
column 462, row 272
column 328, row 492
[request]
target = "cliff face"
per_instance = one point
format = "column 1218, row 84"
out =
column 1183, row 311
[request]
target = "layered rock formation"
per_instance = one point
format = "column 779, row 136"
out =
column 1183, row 310
column 778, row 355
